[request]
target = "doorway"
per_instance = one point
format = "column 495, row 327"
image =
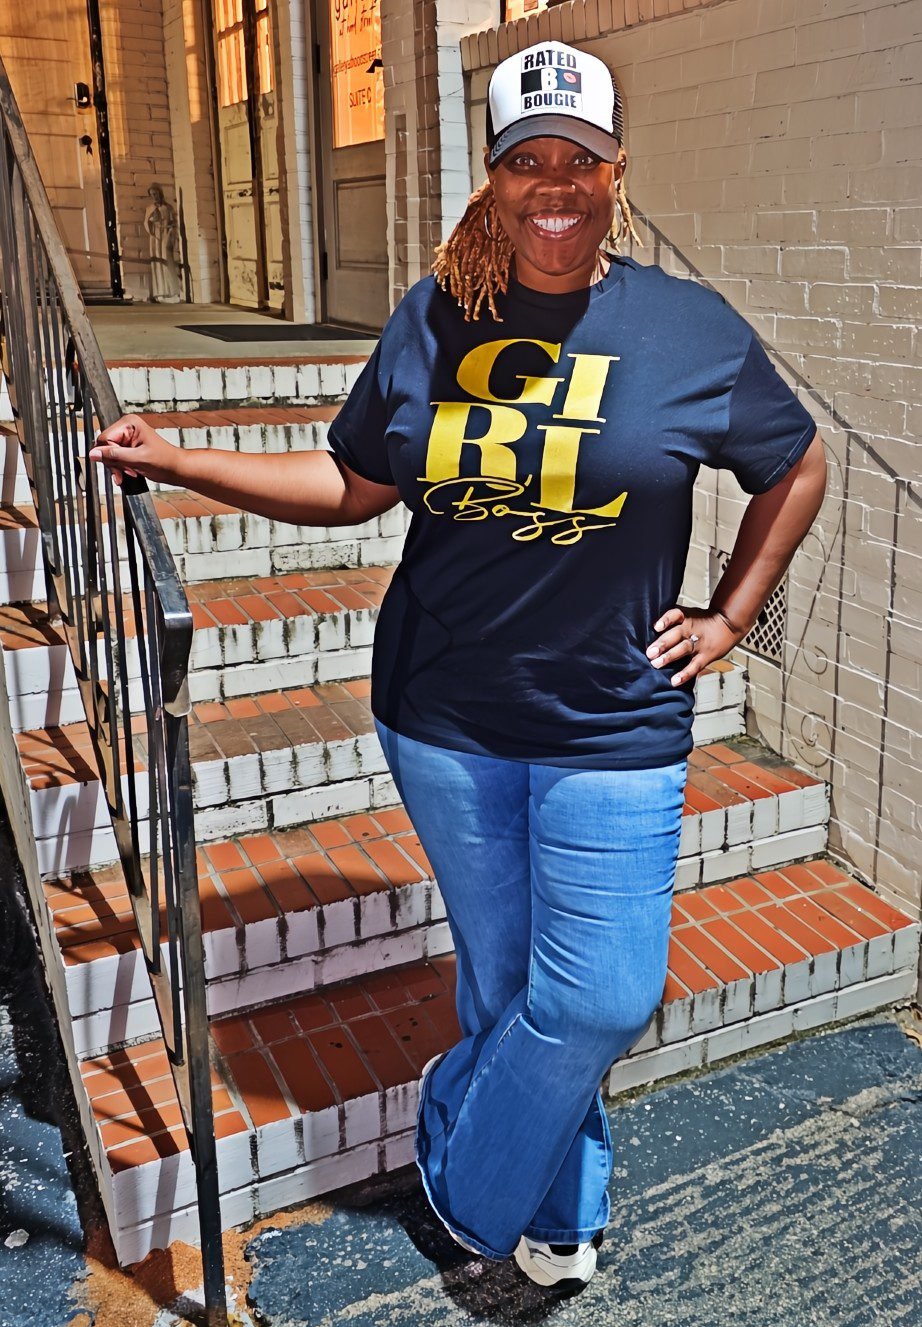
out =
column 247, row 119
column 353, row 222
column 53, row 56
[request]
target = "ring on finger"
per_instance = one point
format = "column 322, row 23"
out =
column 694, row 641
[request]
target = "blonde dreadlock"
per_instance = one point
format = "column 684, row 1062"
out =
column 473, row 263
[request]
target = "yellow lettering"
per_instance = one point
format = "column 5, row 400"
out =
column 477, row 365
column 587, row 383
column 449, row 435
column 610, row 509
column 558, row 465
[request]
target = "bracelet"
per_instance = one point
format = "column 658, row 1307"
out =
column 735, row 629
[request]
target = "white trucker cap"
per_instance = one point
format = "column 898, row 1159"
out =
column 551, row 90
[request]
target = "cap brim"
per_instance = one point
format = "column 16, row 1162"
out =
column 590, row 136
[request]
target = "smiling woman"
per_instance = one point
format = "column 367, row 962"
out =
column 533, row 674
column 550, row 177
column 556, row 201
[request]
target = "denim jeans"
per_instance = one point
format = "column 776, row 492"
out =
column 558, row 888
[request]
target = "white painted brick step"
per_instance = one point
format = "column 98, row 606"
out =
column 311, row 753
column 158, row 387
column 264, row 635
column 250, row 637
column 305, row 1084
column 286, row 911
column 257, row 431
column 214, row 542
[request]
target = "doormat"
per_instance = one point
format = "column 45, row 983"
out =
column 276, row 332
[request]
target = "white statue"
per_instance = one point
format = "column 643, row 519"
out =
column 160, row 224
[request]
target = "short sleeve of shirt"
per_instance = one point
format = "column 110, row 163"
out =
column 357, row 434
column 768, row 429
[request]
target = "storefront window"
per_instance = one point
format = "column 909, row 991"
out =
column 513, row 9
column 358, row 80
column 231, row 49
column 232, row 77
column 264, row 45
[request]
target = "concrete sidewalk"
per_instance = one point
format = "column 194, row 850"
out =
column 782, row 1190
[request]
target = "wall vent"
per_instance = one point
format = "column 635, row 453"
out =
column 766, row 639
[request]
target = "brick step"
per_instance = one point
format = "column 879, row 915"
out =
column 216, row 383
column 211, row 541
column 320, row 1090
column 251, row 636
column 261, row 429
column 279, row 759
column 271, row 761
column 290, row 911
column 262, row 634
column 271, row 429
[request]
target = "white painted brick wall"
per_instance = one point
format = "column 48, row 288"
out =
column 295, row 45
column 777, row 146
column 184, row 39
column 139, row 125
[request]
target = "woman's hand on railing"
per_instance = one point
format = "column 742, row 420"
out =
column 715, row 635
column 132, row 447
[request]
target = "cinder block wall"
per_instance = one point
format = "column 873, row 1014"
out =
column 777, row 146
column 139, row 125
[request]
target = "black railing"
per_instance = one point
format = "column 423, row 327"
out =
column 105, row 557
column 814, row 746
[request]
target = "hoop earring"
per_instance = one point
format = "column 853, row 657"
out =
column 486, row 225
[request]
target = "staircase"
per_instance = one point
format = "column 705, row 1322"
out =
column 329, row 966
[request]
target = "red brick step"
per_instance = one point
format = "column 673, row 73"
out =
column 326, row 1084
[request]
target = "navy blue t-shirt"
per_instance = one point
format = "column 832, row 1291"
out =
column 549, row 461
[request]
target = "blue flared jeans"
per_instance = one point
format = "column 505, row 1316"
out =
column 557, row 884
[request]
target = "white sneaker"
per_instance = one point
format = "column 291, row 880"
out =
column 429, row 1064
column 554, row 1264
column 457, row 1238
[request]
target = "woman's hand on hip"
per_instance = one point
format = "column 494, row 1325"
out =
column 676, row 626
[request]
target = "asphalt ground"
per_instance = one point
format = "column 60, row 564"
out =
column 781, row 1190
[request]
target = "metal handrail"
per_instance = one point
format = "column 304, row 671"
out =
column 62, row 395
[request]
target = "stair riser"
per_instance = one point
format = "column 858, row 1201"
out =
column 226, row 662
column 239, row 544
column 225, row 547
column 272, row 439
column 270, row 959
column 231, row 662
column 711, row 1046
column 287, row 787
column 131, row 1015
column 73, row 829
column 259, row 1198
column 303, row 1157
column 204, row 387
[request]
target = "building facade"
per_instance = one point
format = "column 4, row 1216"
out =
column 304, row 157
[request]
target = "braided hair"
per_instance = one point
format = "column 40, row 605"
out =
column 473, row 263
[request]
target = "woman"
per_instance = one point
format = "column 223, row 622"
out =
column 533, row 676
